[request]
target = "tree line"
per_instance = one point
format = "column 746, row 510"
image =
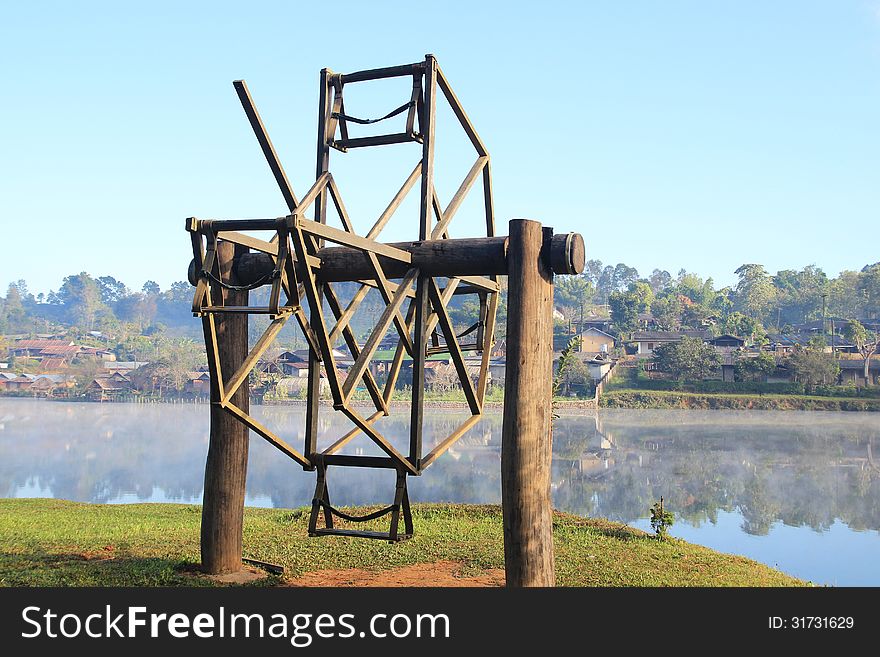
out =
column 760, row 302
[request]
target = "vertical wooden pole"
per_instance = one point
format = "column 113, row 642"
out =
column 526, row 441
column 422, row 308
column 322, row 166
column 226, row 466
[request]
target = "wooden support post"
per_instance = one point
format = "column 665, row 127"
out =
column 226, row 465
column 526, row 442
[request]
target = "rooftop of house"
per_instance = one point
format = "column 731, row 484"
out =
column 592, row 330
column 40, row 344
column 106, row 384
column 67, row 350
column 873, row 365
column 125, row 364
column 52, row 363
column 53, row 378
column 669, row 336
column 727, row 337
column 788, row 339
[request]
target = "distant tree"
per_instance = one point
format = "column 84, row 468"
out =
column 12, row 317
column 742, row 326
column 844, row 297
column 754, row 368
column 574, row 292
column 624, row 275
column 605, row 283
column 695, row 288
column 180, row 291
column 151, row 287
column 570, row 370
column 81, row 297
column 694, row 316
column 865, row 341
column 111, row 290
column 722, row 304
column 869, row 289
column 643, row 294
column 624, row 311
column 615, row 279
column 755, row 293
column 811, row 365
column 659, row 280
column 689, row 359
column 799, row 294
column 667, row 312
column 592, row 271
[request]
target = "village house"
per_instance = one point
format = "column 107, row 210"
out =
column 598, row 366
column 108, row 387
column 499, row 349
column 50, row 385
column 782, row 344
column 32, row 348
column 20, row 383
column 647, row 341
column 727, row 347
column 594, row 341
column 853, row 371
column 198, row 383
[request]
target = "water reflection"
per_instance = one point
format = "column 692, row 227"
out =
column 725, row 475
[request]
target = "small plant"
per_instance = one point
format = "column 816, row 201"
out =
column 661, row 519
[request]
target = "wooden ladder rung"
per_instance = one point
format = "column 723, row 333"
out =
column 359, row 533
column 253, row 310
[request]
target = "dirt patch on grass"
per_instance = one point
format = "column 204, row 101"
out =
column 107, row 552
column 246, row 575
column 438, row 573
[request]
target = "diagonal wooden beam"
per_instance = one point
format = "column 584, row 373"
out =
column 344, row 440
column 391, row 286
column 460, row 114
column 350, row 239
column 385, row 292
column 379, row 275
column 265, row 144
column 319, row 326
column 397, row 361
column 448, row 442
column 376, row 336
column 395, row 202
column 346, row 315
column 488, row 342
column 458, row 197
column 487, row 199
column 265, row 341
column 454, row 348
column 377, row 438
column 354, row 348
column 266, row 433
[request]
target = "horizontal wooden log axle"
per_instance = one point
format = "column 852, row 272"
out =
column 480, row 256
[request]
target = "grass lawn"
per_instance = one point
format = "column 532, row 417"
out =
column 47, row 542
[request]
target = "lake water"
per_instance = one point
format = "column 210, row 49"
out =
column 799, row 491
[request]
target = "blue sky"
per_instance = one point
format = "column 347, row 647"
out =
column 672, row 134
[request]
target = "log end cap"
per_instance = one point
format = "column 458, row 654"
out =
column 567, row 253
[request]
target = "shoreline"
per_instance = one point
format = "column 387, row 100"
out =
column 635, row 399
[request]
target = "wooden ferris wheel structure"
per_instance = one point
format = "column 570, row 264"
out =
column 302, row 255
